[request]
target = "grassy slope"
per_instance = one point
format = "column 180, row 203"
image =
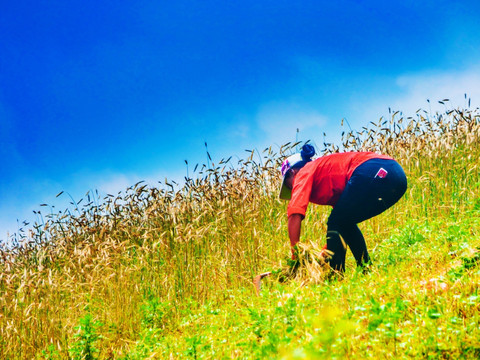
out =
column 154, row 273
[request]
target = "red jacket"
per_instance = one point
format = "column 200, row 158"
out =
column 323, row 180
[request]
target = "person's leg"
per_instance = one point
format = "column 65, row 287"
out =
column 343, row 219
column 336, row 246
column 356, row 242
column 366, row 195
column 339, row 235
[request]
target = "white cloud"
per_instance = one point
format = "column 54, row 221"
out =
column 435, row 87
column 413, row 90
column 361, row 104
column 239, row 130
column 115, row 183
column 280, row 120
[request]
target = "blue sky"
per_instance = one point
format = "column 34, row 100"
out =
column 99, row 95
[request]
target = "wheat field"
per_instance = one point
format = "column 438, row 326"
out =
column 166, row 272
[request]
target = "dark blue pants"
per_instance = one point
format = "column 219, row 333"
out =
column 375, row 186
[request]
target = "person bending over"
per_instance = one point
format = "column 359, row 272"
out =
column 358, row 185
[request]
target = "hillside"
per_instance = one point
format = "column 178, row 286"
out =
column 167, row 273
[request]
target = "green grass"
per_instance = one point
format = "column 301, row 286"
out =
column 421, row 300
column 167, row 274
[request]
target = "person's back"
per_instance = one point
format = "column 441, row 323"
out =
column 327, row 177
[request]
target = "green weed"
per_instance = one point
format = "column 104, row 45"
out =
column 84, row 346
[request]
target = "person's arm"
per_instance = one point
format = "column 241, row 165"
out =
column 294, row 229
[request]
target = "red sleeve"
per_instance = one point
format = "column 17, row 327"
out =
column 302, row 188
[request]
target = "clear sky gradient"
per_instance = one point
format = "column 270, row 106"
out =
column 99, row 95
